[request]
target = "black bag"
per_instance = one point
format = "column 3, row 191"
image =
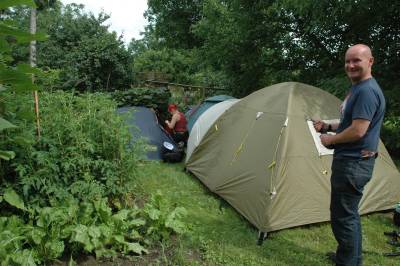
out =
column 171, row 154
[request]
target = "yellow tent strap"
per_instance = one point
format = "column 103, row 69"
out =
column 273, row 164
column 240, row 148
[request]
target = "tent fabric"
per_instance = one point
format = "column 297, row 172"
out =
column 263, row 161
column 146, row 121
column 207, row 103
column 204, row 122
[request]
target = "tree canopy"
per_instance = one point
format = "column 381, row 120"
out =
column 258, row 43
column 79, row 44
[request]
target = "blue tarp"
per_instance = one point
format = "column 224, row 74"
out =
column 145, row 120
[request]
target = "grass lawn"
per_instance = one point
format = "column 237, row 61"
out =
column 218, row 235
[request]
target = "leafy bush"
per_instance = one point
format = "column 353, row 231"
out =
column 391, row 134
column 82, row 153
column 56, row 191
column 163, row 221
column 69, row 191
column 338, row 86
column 88, row 226
column 149, row 97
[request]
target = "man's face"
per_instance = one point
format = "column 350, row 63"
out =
column 358, row 64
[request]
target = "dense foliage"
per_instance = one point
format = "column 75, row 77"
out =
column 81, row 154
column 253, row 44
column 72, row 190
column 149, row 97
column 79, row 45
column 174, row 20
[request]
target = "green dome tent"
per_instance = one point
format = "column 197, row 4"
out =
column 260, row 156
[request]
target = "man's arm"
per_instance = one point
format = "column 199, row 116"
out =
column 174, row 119
column 354, row 132
column 321, row 126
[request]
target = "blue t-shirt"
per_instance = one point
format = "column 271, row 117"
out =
column 364, row 101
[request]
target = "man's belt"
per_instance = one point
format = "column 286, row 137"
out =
column 365, row 155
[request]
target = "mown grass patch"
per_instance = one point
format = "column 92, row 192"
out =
column 218, row 235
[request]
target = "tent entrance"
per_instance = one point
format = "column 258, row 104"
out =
column 321, row 149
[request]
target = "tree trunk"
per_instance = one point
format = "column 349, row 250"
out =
column 32, row 60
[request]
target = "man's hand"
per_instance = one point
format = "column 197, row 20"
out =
column 327, row 140
column 319, row 125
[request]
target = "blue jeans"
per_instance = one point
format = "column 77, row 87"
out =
column 349, row 176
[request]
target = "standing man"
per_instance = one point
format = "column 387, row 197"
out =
column 356, row 142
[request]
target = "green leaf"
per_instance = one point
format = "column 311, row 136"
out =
column 137, row 222
column 13, row 199
column 1, row 199
column 102, row 209
column 106, row 231
column 122, row 215
column 94, row 231
column 81, row 236
column 154, row 214
column 26, row 68
column 173, row 221
column 71, row 262
column 136, row 248
column 103, row 252
column 134, row 235
column 22, row 141
column 4, row 124
column 17, row 79
column 37, row 235
column 120, row 239
column 21, row 36
column 54, row 249
column 7, row 155
column 4, row 46
column 9, row 3
column 26, row 257
column 3, row 88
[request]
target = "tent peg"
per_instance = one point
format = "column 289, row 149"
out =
column 261, row 237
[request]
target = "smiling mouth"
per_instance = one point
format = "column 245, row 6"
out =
column 353, row 71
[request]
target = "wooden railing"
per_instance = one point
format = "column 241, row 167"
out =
column 187, row 89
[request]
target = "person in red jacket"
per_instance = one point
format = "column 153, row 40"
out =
column 178, row 124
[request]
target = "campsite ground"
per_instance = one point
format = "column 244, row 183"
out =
column 218, row 235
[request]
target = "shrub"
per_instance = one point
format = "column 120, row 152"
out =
column 82, row 153
column 149, row 97
column 69, row 190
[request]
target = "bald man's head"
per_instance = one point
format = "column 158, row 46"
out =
column 358, row 63
column 362, row 48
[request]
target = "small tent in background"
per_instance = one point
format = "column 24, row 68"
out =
column 145, row 124
column 260, row 156
column 196, row 112
column 204, row 122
